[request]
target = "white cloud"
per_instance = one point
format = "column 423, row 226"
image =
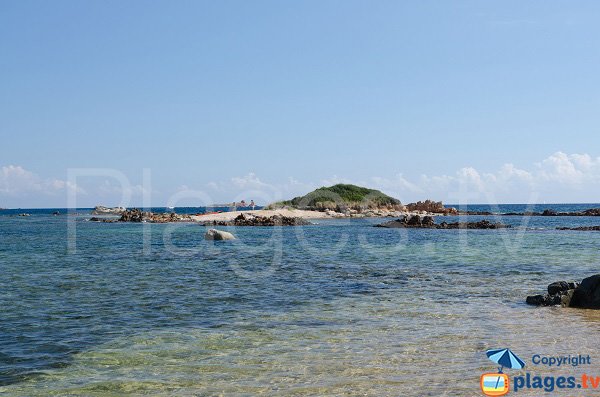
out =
column 574, row 170
column 249, row 181
column 108, row 187
column 16, row 181
column 560, row 177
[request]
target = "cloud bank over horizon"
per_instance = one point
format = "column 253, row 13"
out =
column 560, row 177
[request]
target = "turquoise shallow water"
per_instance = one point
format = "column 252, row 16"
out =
column 338, row 308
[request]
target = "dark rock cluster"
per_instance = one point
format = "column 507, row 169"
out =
column 559, row 293
column 427, row 222
column 570, row 294
column 137, row 215
column 257, row 220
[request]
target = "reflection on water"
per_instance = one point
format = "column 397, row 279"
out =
column 387, row 314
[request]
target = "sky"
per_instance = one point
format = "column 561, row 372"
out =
column 197, row 102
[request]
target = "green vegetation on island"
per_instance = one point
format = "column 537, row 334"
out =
column 341, row 196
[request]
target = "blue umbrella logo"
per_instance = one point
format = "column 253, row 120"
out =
column 505, row 358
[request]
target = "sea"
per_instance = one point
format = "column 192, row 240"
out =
column 338, row 308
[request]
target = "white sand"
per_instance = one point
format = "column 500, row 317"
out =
column 229, row 216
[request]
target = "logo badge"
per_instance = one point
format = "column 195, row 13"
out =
column 493, row 384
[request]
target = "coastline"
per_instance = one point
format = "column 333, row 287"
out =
column 303, row 214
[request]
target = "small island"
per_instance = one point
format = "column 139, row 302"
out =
column 333, row 202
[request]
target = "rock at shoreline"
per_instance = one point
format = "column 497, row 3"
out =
column 257, row 220
column 587, row 294
column 101, row 210
column 558, row 287
column 570, row 294
column 427, row 222
column 218, row 235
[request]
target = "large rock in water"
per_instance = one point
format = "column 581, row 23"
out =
column 559, row 293
column 214, row 234
column 587, row 295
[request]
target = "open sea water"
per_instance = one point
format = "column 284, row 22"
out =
column 339, row 308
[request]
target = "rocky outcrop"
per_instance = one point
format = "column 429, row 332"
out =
column 218, row 235
column 427, row 222
column 257, row 220
column 432, row 207
column 136, row 215
column 101, row 210
column 569, row 294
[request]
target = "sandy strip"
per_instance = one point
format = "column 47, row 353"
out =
column 229, row 216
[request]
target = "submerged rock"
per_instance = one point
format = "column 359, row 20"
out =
column 549, row 212
column 544, row 300
column 487, row 213
column 218, row 235
column 581, row 228
column 103, row 220
column 427, row 222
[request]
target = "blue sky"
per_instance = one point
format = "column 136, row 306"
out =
column 231, row 99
